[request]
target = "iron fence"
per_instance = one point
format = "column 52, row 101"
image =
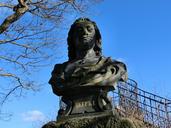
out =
column 148, row 107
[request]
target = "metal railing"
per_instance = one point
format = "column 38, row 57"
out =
column 148, row 107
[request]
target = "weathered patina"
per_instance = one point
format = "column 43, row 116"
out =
column 86, row 78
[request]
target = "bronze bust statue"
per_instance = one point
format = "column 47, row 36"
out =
column 87, row 73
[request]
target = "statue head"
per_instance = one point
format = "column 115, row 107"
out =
column 83, row 34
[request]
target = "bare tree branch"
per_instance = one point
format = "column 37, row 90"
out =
column 14, row 17
column 13, row 61
column 6, row 5
column 22, row 3
column 25, row 36
column 20, row 85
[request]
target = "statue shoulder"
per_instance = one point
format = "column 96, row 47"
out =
column 110, row 61
column 119, row 63
column 58, row 68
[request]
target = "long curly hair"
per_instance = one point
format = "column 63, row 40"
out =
column 71, row 38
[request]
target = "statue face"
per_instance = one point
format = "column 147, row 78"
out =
column 85, row 36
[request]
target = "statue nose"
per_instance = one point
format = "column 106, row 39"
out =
column 85, row 32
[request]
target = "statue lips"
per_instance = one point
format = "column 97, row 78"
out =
column 85, row 40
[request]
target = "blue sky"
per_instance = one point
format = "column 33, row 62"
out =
column 136, row 32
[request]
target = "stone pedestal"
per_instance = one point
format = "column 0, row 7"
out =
column 107, row 119
column 85, row 99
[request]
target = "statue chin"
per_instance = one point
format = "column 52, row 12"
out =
column 87, row 42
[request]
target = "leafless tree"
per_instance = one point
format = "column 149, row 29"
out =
column 29, row 33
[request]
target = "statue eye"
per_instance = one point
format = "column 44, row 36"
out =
column 80, row 29
column 89, row 28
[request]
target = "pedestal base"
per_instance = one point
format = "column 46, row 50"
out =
column 101, row 120
column 84, row 100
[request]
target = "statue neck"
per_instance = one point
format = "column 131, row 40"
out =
column 86, row 54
